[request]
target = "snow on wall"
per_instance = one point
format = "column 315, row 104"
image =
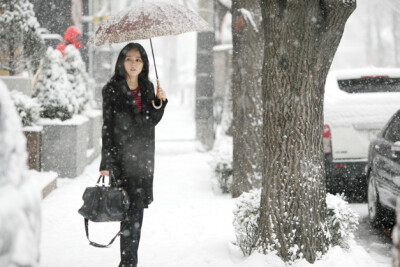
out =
column 19, row 196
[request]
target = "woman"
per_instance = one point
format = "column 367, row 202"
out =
column 129, row 118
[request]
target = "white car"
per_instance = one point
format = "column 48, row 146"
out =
column 357, row 105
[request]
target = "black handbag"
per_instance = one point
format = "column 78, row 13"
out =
column 103, row 203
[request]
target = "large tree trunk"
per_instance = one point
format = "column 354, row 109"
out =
column 248, row 49
column 301, row 39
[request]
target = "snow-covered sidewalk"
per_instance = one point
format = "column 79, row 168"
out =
column 187, row 225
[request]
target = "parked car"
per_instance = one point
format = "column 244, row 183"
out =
column 383, row 171
column 357, row 105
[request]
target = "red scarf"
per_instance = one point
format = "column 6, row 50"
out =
column 137, row 95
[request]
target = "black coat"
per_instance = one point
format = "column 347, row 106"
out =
column 128, row 139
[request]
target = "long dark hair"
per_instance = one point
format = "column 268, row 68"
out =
column 120, row 73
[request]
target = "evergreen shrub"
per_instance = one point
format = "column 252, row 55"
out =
column 223, row 172
column 245, row 222
column 222, row 154
column 77, row 77
column 342, row 220
column 28, row 108
column 21, row 46
column 53, row 90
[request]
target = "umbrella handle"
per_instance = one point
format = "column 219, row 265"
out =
column 152, row 102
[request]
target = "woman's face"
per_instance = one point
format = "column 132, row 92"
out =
column 133, row 63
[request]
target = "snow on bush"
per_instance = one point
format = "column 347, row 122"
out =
column 21, row 45
column 19, row 196
column 222, row 163
column 222, row 152
column 53, row 89
column 27, row 107
column 245, row 222
column 78, row 77
column 342, row 221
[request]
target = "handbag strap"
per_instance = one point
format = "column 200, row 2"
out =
column 98, row 181
column 100, row 245
column 111, row 182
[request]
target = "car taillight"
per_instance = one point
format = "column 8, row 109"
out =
column 327, row 140
column 376, row 76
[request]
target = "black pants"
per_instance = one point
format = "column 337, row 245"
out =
column 131, row 237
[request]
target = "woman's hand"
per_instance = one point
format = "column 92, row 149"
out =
column 161, row 94
column 104, row 173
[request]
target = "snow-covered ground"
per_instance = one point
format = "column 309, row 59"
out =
column 188, row 225
column 373, row 240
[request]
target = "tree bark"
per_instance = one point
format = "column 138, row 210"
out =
column 301, row 38
column 247, row 60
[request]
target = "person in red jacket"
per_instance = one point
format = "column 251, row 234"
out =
column 71, row 36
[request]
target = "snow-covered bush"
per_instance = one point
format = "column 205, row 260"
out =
column 222, row 162
column 342, row 220
column 21, row 45
column 53, row 89
column 27, row 107
column 245, row 222
column 78, row 77
column 223, row 172
column 222, row 152
column 19, row 195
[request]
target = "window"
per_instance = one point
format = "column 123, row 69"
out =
column 392, row 132
column 370, row 85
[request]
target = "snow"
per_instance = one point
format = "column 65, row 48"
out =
column 366, row 110
column 89, row 152
column 223, row 47
column 36, row 128
column 342, row 222
column 248, row 16
column 226, row 3
column 22, row 14
column 78, row 78
column 19, row 28
column 53, row 89
column 92, row 112
column 188, row 224
column 12, row 142
column 27, row 107
column 75, row 120
column 19, row 194
column 42, row 179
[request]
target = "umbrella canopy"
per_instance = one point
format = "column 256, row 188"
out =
column 147, row 20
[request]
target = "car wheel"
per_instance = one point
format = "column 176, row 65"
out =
column 376, row 212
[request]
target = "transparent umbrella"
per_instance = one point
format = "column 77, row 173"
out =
column 145, row 21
